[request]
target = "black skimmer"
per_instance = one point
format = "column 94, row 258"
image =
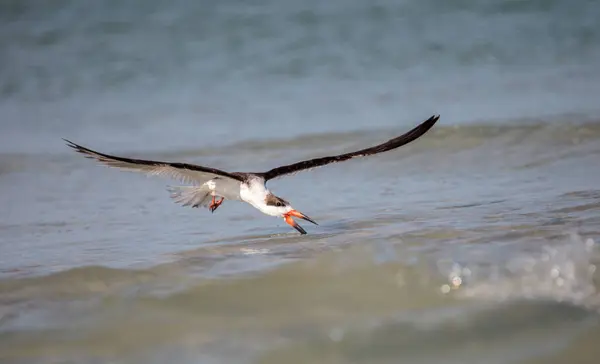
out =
column 208, row 183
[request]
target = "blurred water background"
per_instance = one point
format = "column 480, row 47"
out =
column 476, row 244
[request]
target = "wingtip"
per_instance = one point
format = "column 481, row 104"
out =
column 78, row 148
column 69, row 143
column 429, row 123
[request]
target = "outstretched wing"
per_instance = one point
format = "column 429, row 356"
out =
column 186, row 173
column 384, row 147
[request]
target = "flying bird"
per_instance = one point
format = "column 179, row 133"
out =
column 208, row 184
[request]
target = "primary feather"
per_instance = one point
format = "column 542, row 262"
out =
column 184, row 172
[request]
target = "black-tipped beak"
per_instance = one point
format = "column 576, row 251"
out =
column 295, row 225
column 302, row 216
column 288, row 218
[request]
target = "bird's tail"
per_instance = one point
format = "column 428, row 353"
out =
column 194, row 196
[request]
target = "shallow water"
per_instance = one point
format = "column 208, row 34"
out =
column 477, row 243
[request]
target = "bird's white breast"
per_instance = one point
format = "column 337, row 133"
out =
column 254, row 192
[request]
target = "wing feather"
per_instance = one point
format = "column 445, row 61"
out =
column 186, row 173
column 384, row 147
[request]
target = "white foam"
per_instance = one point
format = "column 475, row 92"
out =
column 560, row 272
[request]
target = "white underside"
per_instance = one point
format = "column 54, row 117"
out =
column 254, row 192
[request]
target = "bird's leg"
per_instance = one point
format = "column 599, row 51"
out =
column 215, row 204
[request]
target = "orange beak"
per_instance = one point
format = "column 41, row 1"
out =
column 288, row 218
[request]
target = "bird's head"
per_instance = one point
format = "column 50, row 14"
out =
column 280, row 207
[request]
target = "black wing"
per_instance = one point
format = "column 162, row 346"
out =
column 182, row 171
column 384, row 147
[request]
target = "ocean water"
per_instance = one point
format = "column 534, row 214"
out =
column 478, row 243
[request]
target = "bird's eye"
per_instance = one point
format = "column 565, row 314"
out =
column 279, row 204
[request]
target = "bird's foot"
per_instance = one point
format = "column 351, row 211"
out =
column 215, row 204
